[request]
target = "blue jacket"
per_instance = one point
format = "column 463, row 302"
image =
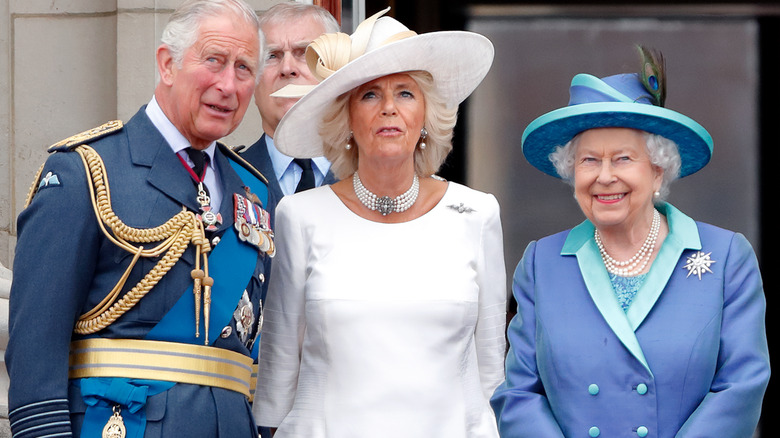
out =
column 688, row 359
column 64, row 265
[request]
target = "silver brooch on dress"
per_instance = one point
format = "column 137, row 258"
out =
column 461, row 208
column 698, row 264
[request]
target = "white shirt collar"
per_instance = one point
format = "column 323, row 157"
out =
column 169, row 132
column 178, row 143
column 281, row 162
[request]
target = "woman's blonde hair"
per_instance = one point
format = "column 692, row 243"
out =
column 439, row 123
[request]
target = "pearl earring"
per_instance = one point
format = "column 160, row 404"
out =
column 423, row 136
column 348, row 146
column 656, row 194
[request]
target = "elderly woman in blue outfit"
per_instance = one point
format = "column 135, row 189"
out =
column 639, row 321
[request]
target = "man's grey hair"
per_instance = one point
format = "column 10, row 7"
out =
column 290, row 11
column 183, row 26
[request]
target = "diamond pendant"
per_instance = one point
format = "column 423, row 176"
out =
column 385, row 205
column 115, row 427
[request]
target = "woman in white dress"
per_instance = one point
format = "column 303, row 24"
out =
column 385, row 315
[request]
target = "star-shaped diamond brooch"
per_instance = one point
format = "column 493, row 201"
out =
column 698, row 264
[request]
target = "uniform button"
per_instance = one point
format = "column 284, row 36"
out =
column 641, row 431
column 594, row 432
column 261, row 277
column 641, row 389
column 593, row 389
column 215, row 241
column 226, row 332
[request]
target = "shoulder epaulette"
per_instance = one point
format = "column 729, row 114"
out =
column 233, row 155
column 86, row 136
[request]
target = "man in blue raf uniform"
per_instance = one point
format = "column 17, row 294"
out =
column 136, row 297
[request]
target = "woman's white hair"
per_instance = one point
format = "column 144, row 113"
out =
column 439, row 123
column 183, row 26
column 663, row 153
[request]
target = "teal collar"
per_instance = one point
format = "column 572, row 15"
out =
column 683, row 234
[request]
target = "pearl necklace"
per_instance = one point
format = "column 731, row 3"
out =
column 386, row 204
column 636, row 264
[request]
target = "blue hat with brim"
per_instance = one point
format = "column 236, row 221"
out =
column 619, row 101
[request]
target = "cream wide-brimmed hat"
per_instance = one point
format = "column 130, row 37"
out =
column 380, row 46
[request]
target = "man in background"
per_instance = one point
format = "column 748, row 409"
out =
column 287, row 28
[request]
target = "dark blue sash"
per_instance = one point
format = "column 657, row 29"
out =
column 231, row 265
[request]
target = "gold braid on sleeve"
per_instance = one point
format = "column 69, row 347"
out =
column 34, row 188
column 173, row 236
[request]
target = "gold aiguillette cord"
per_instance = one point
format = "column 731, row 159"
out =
column 201, row 286
column 173, row 238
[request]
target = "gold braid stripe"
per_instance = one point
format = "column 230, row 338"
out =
column 174, row 237
column 157, row 360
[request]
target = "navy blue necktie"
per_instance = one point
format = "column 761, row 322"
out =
column 307, row 177
column 200, row 159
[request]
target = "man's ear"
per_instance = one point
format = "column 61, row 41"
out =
column 165, row 65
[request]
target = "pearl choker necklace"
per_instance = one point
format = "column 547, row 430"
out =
column 636, row 264
column 386, row 204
